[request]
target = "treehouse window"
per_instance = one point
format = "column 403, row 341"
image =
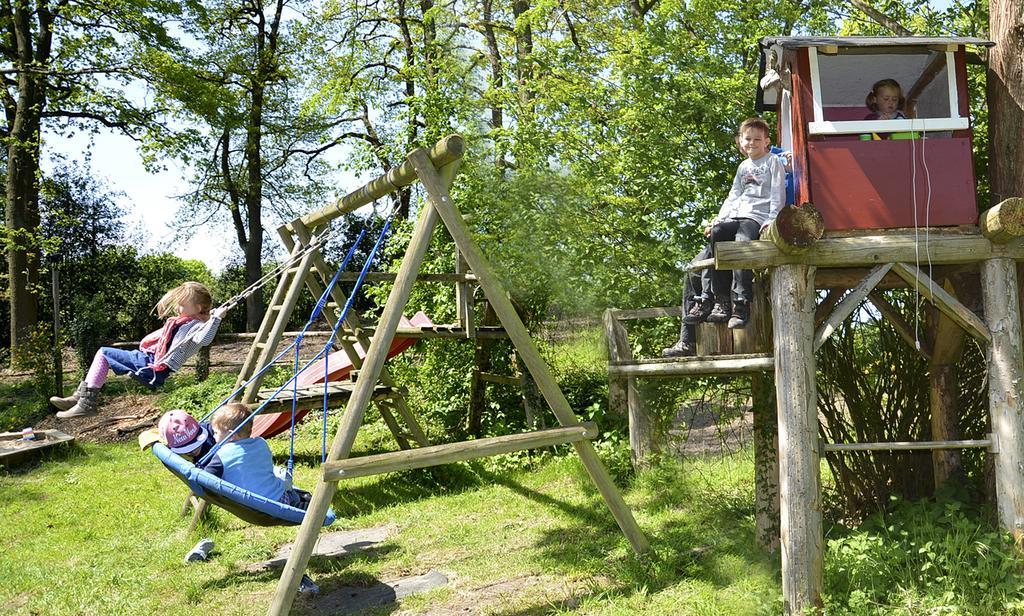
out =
column 842, row 79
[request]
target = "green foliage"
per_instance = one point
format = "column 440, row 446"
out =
column 924, row 557
column 199, row 398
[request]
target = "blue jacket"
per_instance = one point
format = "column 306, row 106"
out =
column 248, row 464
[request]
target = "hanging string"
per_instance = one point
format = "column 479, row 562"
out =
column 321, row 302
column 317, row 242
column 917, row 241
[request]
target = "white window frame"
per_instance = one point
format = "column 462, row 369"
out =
column 820, row 127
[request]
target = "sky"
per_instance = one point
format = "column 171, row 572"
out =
column 150, row 199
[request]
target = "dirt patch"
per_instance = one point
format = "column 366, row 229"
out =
column 120, row 419
column 701, row 428
column 497, row 596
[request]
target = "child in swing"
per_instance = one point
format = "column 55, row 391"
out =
column 190, row 325
column 246, row 461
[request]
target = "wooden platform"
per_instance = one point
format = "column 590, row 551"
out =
column 14, row 450
column 313, row 396
column 692, row 366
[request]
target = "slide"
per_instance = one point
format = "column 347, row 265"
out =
column 339, row 365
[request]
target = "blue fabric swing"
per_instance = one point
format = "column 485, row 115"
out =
column 243, row 504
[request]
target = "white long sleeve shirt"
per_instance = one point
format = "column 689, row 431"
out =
column 758, row 191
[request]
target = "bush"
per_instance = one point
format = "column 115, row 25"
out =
column 922, row 556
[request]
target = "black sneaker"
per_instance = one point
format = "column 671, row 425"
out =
column 699, row 312
column 719, row 314
column 679, row 349
column 740, row 315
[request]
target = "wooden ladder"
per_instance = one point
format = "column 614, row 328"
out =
column 313, row 273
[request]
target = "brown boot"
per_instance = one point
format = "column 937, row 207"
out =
column 63, row 404
column 88, row 404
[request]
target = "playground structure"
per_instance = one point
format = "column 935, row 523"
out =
column 435, row 170
column 865, row 194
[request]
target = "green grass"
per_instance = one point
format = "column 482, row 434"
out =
column 96, row 531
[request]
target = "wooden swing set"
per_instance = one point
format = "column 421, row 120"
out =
column 435, row 169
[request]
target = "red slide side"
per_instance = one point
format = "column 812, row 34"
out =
column 339, row 365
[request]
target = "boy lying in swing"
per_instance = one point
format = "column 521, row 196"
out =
column 246, row 461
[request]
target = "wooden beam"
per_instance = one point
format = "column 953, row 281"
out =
column 496, row 294
column 866, row 251
column 908, row 445
column 693, row 366
column 1003, row 222
column 646, row 313
column 799, row 457
column 849, row 277
column 435, row 455
column 945, row 302
column 352, row 419
column 850, row 303
column 445, row 151
column 825, row 306
column 1000, row 289
column 465, row 277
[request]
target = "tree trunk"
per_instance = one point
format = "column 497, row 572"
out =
column 22, row 189
column 1006, row 99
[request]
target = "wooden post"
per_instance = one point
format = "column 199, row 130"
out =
column 520, row 337
column 641, row 433
column 1002, row 314
column 799, row 458
column 1003, row 222
column 766, row 463
column 373, row 363
column 58, row 346
column 947, row 347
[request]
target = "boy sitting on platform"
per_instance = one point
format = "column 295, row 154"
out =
column 245, row 461
column 758, row 193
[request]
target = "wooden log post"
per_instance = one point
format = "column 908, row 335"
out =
column 1003, row 222
column 352, row 419
column 623, row 395
column 799, row 458
column 796, row 228
column 1006, row 408
column 947, row 347
column 766, row 463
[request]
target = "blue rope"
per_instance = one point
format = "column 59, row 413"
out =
column 321, row 302
column 344, row 313
column 334, row 332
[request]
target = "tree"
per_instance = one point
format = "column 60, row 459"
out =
column 1006, row 99
column 66, row 64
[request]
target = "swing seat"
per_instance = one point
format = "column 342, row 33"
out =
column 252, row 508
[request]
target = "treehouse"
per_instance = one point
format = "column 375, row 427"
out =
column 863, row 188
column 874, row 174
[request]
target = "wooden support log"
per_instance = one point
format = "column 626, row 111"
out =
column 693, row 366
column 796, row 228
column 1006, row 404
column 1003, row 222
column 444, row 152
column 867, row 251
column 435, row 455
column 288, row 585
column 766, row 462
column 850, row 303
column 799, row 458
column 495, row 293
column 945, row 302
column 909, row 445
column 623, row 395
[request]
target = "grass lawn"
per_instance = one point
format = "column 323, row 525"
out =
column 96, row 531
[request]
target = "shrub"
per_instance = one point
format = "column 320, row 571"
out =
column 924, row 555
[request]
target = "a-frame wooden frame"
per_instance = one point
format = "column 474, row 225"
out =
column 437, row 182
